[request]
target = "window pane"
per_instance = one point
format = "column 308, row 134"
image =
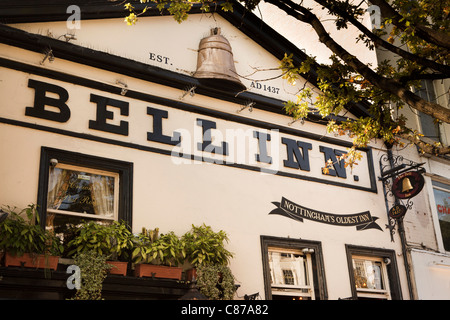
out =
column 430, row 129
column 287, row 269
column 442, row 199
column 367, row 274
column 81, row 192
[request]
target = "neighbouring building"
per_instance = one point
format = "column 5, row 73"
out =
column 133, row 112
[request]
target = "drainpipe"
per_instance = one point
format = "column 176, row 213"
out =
column 401, row 231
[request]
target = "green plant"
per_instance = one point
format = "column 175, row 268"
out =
column 216, row 281
column 141, row 244
column 165, row 249
column 93, row 269
column 113, row 240
column 205, row 246
column 19, row 235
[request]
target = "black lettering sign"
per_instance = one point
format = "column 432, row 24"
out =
column 157, row 135
column 103, row 114
column 207, row 145
column 41, row 100
column 301, row 159
column 339, row 166
column 262, row 144
column 289, row 209
column 50, row 103
column 158, row 58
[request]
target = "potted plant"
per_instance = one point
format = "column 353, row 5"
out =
column 204, row 246
column 113, row 240
column 25, row 243
column 157, row 255
column 215, row 281
column 94, row 269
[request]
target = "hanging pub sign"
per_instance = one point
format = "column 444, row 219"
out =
column 407, row 185
column 289, row 209
column 397, row 211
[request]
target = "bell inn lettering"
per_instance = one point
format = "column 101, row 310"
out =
column 51, row 102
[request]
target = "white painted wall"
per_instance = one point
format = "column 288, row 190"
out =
column 434, row 268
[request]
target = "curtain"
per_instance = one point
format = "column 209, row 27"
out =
column 78, row 191
column 102, row 189
column 57, row 187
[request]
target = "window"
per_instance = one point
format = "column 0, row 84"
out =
column 442, row 200
column 370, row 278
column 429, row 128
column 74, row 187
column 293, row 269
column 288, row 276
column 290, row 273
column 82, row 192
column 373, row 273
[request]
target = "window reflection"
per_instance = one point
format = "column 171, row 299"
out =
column 290, row 274
column 81, row 192
column 287, row 269
column 367, row 274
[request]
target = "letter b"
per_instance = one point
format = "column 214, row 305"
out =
column 41, row 100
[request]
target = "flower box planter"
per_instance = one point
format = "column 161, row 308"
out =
column 150, row 270
column 118, row 267
column 191, row 274
column 28, row 260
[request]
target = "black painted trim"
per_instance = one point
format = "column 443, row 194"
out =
column 125, row 170
column 181, row 106
column 392, row 269
column 289, row 243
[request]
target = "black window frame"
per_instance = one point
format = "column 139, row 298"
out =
column 320, row 287
column 123, row 168
column 391, row 268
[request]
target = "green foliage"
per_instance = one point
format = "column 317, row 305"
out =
column 93, row 269
column 428, row 13
column 168, row 250
column 216, row 281
column 417, row 55
column 339, row 86
column 113, row 240
column 165, row 249
column 141, row 244
column 205, row 246
column 415, row 33
column 19, row 234
column 201, row 245
column 179, row 9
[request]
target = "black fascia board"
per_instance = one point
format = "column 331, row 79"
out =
column 13, row 11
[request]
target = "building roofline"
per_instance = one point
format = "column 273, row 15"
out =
column 247, row 22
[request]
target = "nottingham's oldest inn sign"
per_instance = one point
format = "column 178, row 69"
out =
column 361, row 221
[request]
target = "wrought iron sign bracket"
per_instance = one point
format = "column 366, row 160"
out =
column 401, row 180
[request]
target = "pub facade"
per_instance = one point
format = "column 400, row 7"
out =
column 128, row 111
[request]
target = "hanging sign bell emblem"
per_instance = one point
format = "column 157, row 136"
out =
column 407, row 185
